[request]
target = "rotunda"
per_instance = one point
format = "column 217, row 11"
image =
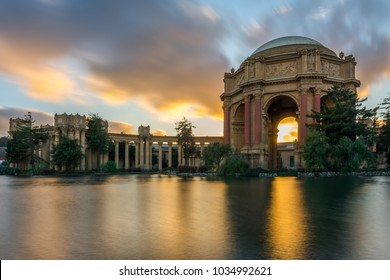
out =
column 285, row 77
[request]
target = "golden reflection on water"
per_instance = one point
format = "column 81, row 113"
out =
column 287, row 220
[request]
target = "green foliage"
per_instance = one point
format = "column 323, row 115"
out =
column 97, row 135
column 3, row 141
column 340, row 137
column 24, row 141
column 67, row 153
column 185, row 138
column 345, row 118
column 383, row 142
column 215, row 153
column 109, row 166
column 316, row 150
column 18, row 147
column 234, row 164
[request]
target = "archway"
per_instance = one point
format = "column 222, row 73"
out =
column 238, row 139
column 278, row 109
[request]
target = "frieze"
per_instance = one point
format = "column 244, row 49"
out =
column 281, row 69
column 331, row 69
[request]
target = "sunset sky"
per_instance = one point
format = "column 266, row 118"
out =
column 152, row 62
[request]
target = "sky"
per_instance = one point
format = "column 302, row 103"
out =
column 153, row 62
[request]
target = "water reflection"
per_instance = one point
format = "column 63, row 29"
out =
column 162, row 217
column 287, row 220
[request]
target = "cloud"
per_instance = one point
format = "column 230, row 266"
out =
column 120, row 127
column 160, row 53
column 41, row 118
column 158, row 132
column 354, row 27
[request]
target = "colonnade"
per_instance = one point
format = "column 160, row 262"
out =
column 144, row 150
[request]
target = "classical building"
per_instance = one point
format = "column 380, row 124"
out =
column 285, row 77
column 145, row 145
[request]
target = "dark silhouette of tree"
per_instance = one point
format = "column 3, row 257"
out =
column 97, row 136
column 185, row 138
column 67, row 153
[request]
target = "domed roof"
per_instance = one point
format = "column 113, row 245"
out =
column 288, row 41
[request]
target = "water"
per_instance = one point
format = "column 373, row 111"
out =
column 161, row 217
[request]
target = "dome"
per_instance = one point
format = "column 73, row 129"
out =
column 289, row 41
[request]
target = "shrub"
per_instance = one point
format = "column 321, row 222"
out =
column 234, row 164
column 109, row 166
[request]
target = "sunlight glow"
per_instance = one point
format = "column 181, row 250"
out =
column 288, row 130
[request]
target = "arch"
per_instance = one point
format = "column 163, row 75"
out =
column 278, row 108
column 238, row 139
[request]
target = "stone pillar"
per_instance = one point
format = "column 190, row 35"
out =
column 141, row 154
column 77, row 138
column 201, row 152
column 116, row 153
column 247, row 127
column 226, row 123
column 317, row 102
column 258, row 119
column 147, row 155
column 179, row 154
column 137, row 154
column 56, row 141
column 89, row 152
column 302, row 117
column 169, row 154
column 82, row 145
column 126, row 155
column 160, row 154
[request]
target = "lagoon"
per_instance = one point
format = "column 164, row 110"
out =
column 171, row 217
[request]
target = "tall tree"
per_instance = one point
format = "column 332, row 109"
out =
column 18, row 147
column 67, row 153
column 97, row 136
column 346, row 126
column 185, row 138
column 383, row 143
column 316, row 150
column 24, row 141
column 215, row 153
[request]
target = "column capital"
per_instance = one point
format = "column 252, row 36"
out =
column 247, row 96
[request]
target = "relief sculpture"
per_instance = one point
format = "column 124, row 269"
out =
column 331, row 69
column 280, row 69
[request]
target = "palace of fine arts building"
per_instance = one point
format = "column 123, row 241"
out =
column 287, row 77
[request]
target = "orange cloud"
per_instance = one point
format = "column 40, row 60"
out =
column 120, row 127
column 159, row 132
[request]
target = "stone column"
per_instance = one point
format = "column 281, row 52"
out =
column 141, row 154
column 247, row 127
column 116, row 153
column 147, row 155
column 56, row 141
column 317, row 102
column 126, row 155
column 201, row 162
column 226, row 122
column 258, row 119
column 82, row 145
column 302, row 117
column 137, row 154
column 179, row 154
column 77, row 138
column 169, row 154
column 160, row 154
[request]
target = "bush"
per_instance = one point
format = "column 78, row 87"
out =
column 234, row 164
column 109, row 166
column 187, row 169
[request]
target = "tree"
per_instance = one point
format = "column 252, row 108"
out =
column 316, row 150
column 343, row 130
column 97, row 136
column 67, row 153
column 215, row 153
column 18, row 147
column 185, row 138
column 234, row 164
column 3, row 141
column 24, row 141
column 346, row 117
column 383, row 143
